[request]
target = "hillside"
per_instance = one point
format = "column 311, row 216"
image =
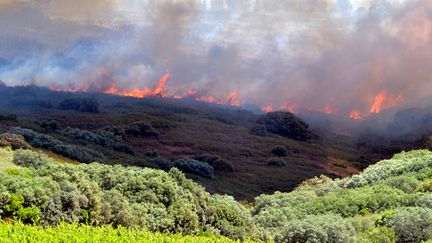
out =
column 160, row 131
column 388, row 202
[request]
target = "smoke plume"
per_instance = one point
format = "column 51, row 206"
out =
column 347, row 57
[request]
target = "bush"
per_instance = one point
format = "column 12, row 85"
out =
column 124, row 148
column 50, row 125
column 28, row 158
column 80, row 104
column 276, row 162
column 318, row 228
column 39, row 140
column 195, row 167
column 377, row 235
column 411, row 224
column 402, row 163
column 14, row 208
column 141, row 129
column 279, row 151
column 162, row 163
column 216, row 162
column 231, row 218
column 286, row 125
column 405, row 183
column 14, row 141
column 100, row 137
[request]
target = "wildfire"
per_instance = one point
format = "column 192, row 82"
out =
column 356, row 115
column 141, row 93
column 382, row 101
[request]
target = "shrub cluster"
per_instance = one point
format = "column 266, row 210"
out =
column 50, row 125
column 195, row 167
column 99, row 137
column 14, row 141
column 279, row 151
column 99, row 194
column 215, row 161
column 403, row 163
column 284, row 124
column 141, row 129
column 75, row 152
column 80, row 104
column 411, row 224
column 318, row 228
column 277, row 162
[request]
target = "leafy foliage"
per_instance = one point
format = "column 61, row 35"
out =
column 14, row 141
column 216, row 162
column 195, row 167
column 411, row 224
column 318, row 228
column 39, row 140
column 19, row 232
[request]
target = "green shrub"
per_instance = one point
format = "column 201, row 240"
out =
column 411, row 224
column 216, row 162
column 405, row 162
column 424, row 186
column 75, row 152
column 30, row 158
column 195, row 167
column 405, row 183
column 318, row 228
column 231, row 218
column 377, row 235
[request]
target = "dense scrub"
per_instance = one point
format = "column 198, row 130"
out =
column 84, row 233
column 46, row 193
column 390, row 201
column 391, row 204
column 75, row 152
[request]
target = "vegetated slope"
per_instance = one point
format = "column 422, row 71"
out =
column 156, row 132
column 11, row 233
column 388, row 202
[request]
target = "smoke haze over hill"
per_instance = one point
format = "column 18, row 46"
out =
column 344, row 57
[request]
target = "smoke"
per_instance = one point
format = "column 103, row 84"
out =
column 332, row 56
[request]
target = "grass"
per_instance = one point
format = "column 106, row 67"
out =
column 18, row 232
column 6, row 157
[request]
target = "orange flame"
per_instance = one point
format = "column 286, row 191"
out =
column 378, row 103
column 382, row 101
column 356, row 115
column 141, row 93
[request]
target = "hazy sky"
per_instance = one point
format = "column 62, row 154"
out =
column 307, row 53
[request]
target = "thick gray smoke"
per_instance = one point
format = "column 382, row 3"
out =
column 333, row 56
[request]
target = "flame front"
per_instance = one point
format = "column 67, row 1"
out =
column 141, row 93
column 381, row 101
